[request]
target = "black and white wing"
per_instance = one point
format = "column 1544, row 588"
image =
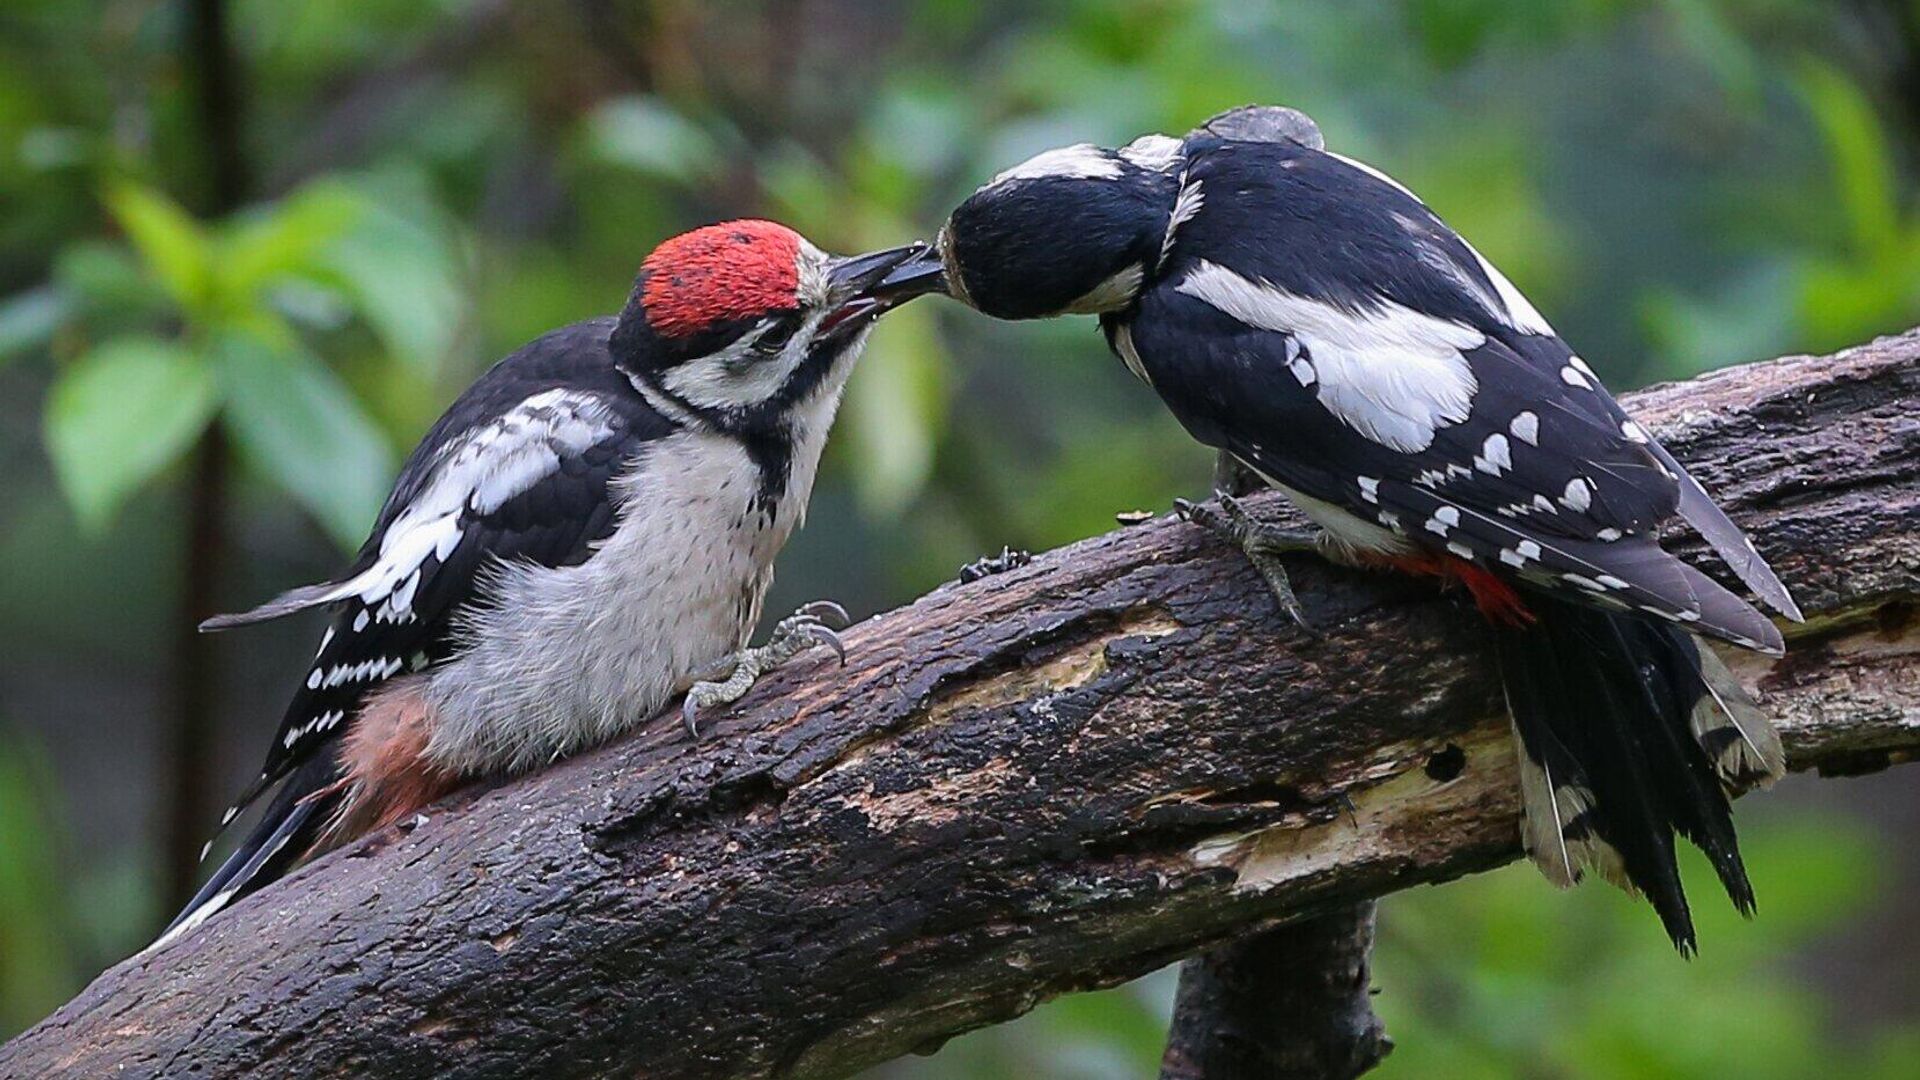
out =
column 518, row 470
column 1320, row 323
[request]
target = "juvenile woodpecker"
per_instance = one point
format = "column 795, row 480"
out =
column 1315, row 321
column 588, row 531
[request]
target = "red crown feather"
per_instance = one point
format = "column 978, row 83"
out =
column 717, row 273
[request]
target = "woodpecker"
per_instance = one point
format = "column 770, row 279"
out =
column 1318, row 324
column 589, row 530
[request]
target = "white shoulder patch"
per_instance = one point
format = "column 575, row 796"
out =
column 1391, row 373
column 479, row 471
column 1081, row 160
column 1155, row 152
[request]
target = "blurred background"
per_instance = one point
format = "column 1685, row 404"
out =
column 249, row 249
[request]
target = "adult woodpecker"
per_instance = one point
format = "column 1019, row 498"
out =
column 588, row 531
column 1315, row 321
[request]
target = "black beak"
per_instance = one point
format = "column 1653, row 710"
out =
column 854, row 277
column 860, row 289
column 916, row 275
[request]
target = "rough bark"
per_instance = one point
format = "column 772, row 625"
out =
column 1054, row 779
column 1293, row 1002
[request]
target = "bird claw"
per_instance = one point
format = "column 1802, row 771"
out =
column 1263, row 545
column 730, row 679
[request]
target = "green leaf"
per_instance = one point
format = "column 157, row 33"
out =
column 121, row 414
column 400, row 266
column 1862, row 163
column 286, row 239
column 28, row 319
column 296, row 422
column 646, row 134
column 174, row 246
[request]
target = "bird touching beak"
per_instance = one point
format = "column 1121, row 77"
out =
column 917, row 274
column 860, row 286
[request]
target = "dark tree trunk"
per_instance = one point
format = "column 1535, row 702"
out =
column 1290, row 1003
column 187, row 788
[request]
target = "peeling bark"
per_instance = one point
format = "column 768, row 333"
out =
column 1054, row 779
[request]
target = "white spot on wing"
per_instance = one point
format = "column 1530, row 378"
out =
column 1369, row 488
column 1578, row 496
column 1526, row 427
column 1391, row 373
column 1495, row 455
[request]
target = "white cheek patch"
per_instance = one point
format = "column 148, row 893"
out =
column 1390, row 373
column 1080, row 161
column 737, row 377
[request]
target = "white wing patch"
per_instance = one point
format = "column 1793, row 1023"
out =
column 479, row 473
column 1083, row 161
column 1390, row 373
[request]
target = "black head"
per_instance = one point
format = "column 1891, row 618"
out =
column 1077, row 229
column 736, row 322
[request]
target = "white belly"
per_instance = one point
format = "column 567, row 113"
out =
column 566, row 658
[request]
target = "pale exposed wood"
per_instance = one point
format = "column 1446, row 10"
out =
column 1050, row 780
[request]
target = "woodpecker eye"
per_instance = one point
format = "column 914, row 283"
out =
column 776, row 336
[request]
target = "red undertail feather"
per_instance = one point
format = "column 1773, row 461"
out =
column 386, row 775
column 1499, row 602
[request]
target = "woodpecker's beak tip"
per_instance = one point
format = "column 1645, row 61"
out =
column 917, row 274
column 892, row 276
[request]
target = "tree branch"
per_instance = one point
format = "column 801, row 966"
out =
column 1051, row 780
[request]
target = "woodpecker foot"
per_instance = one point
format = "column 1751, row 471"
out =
column 730, row 679
column 1262, row 543
column 988, row 565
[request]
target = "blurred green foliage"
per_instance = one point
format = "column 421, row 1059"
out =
column 1678, row 183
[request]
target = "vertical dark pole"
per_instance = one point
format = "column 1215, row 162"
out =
column 188, row 782
column 1291, row 1003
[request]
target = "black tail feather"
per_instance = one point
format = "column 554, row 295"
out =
column 286, row 832
column 1603, row 706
